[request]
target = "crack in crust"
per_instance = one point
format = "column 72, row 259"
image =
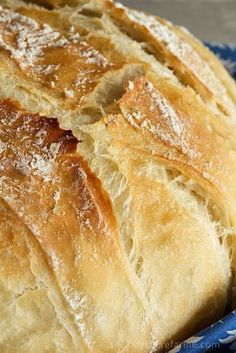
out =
column 125, row 202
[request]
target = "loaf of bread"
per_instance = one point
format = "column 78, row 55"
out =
column 117, row 180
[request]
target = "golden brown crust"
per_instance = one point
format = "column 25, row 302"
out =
column 32, row 319
column 164, row 214
column 174, row 51
column 68, row 67
column 191, row 144
column 185, row 140
column 209, row 57
column 58, row 198
column 117, row 187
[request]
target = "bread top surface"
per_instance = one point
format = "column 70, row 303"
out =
column 68, row 53
column 65, row 66
column 55, row 196
column 117, row 164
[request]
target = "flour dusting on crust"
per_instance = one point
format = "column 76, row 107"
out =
column 29, row 43
column 181, row 50
column 25, row 39
column 156, row 115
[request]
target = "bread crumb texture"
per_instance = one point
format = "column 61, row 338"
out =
column 117, row 180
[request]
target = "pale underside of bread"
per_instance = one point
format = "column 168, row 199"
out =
column 118, row 236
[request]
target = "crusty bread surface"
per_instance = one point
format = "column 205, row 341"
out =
column 117, row 180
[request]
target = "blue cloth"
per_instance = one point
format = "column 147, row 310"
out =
column 218, row 338
column 227, row 54
column 221, row 336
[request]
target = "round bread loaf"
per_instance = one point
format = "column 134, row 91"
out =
column 117, row 180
